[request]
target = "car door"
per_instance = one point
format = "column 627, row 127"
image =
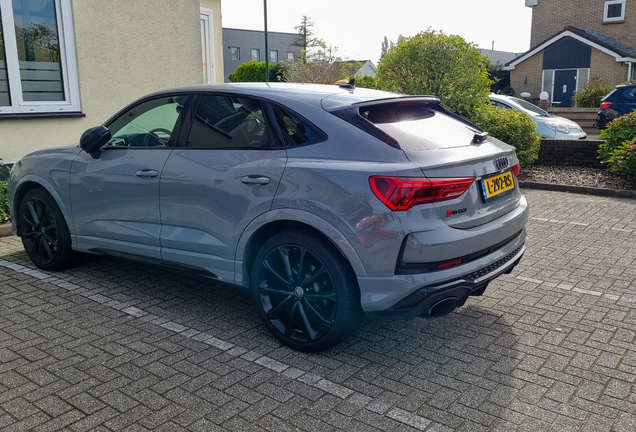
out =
column 115, row 192
column 225, row 175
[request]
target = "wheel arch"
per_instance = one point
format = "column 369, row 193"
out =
column 27, row 184
column 268, row 224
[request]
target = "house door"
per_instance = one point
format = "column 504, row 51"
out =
column 564, row 87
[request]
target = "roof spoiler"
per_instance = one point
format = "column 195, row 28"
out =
column 420, row 100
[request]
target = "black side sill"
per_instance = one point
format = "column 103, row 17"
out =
column 42, row 116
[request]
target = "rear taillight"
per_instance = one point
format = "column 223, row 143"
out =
column 515, row 169
column 402, row 193
column 605, row 105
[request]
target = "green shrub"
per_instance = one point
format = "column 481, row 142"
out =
column 592, row 93
column 619, row 149
column 5, row 214
column 366, row 81
column 254, row 71
column 511, row 127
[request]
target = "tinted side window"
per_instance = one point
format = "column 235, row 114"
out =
column 149, row 124
column 229, row 122
column 294, row 130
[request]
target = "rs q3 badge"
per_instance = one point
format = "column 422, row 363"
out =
column 450, row 212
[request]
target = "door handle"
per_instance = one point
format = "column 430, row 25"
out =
column 147, row 173
column 260, row 180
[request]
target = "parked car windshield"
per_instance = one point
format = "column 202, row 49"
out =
column 531, row 109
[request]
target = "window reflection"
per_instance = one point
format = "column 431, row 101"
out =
column 4, row 83
column 38, row 47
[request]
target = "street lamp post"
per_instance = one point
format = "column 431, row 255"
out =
column 266, row 46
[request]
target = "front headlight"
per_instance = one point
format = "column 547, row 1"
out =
column 558, row 127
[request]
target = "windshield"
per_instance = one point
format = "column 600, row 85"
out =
column 531, row 109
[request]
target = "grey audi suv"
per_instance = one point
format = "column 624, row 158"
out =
column 326, row 202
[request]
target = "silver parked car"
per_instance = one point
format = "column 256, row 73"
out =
column 549, row 125
column 327, row 203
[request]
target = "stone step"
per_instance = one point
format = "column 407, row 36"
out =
column 584, row 117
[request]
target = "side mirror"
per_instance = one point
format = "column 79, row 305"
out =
column 94, row 138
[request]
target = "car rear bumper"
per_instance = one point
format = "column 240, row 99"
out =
column 435, row 294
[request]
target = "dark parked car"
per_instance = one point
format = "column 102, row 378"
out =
column 326, row 202
column 621, row 100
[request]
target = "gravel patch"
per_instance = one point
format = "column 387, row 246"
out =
column 576, row 176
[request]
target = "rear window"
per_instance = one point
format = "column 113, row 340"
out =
column 417, row 127
column 630, row 93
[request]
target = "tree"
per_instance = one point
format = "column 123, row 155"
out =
column 385, row 47
column 306, row 38
column 320, row 67
column 500, row 79
column 434, row 63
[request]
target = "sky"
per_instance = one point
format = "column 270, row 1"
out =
column 357, row 27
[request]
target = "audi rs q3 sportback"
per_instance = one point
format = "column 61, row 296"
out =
column 327, row 202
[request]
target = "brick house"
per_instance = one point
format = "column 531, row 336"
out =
column 573, row 41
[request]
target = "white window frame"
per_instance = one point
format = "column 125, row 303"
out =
column 68, row 61
column 270, row 56
column 258, row 51
column 207, row 17
column 606, row 10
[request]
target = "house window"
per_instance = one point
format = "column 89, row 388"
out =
column 290, row 55
column 38, row 68
column 614, row 11
column 273, row 56
column 235, row 53
column 256, row 54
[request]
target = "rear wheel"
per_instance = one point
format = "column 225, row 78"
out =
column 305, row 292
column 44, row 233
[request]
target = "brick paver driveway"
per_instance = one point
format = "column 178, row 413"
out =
column 114, row 345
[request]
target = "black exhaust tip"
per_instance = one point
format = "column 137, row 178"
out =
column 443, row 307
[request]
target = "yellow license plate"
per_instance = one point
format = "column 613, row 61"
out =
column 495, row 185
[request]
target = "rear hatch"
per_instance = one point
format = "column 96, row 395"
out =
column 446, row 146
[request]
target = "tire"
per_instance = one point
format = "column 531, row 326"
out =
column 311, row 312
column 45, row 235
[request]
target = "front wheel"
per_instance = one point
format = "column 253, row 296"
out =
column 45, row 235
column 305, row 292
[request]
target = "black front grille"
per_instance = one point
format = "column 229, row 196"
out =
column 494, row 266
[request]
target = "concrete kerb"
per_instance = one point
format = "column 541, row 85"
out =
column 5, row 229
column 614, row 193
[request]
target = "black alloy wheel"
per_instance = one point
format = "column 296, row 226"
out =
column 45, row 236
column 306, row 294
